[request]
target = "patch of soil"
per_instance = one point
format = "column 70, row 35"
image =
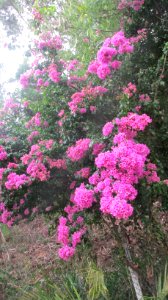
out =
column 27, row 250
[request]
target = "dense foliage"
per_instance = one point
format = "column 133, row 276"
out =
column 90, row 122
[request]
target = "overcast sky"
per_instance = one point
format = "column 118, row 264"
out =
column 11, row 59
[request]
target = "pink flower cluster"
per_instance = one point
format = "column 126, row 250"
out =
column 12, row 165
column 135, row 4
column 132, row 123
column 26, row 104
column 83, row 197
column 73, row 65
column 37, row 170
column 107, row 56
column 41, row 82
column 107, row 128
column 67, row 240
column 3, row 153
column 77, row 152
column 144, row 98
column 165, row 181
column 150, row 173
column 61, row 113
column 39, row 74
column 25, row 78
column 37, row 15
column 5, row 215
column 72, row 185
column 35, row 160
column 48, row 144
column 84, row 172
column 130, row 90
column 97, row 148
column 122, row 167
column 57, row 163
column 35, row 152
column 10, row 104
column 49, row 41
column 142, row 34
column 32, row 135
column 78, row 103
column 53, row 73
column 118, row 170
column 34, row 121
column 15, row 181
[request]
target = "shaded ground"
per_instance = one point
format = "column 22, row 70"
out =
column 27, row 251
column 28, row 255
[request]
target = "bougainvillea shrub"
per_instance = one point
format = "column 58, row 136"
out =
column 81, row 134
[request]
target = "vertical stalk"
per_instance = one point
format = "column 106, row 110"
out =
column 133, row 273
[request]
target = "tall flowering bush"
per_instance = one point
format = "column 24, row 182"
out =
column 97, row 156
column 48, row 73
column 113, row 185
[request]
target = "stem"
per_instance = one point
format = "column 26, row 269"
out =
column 133, row 273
